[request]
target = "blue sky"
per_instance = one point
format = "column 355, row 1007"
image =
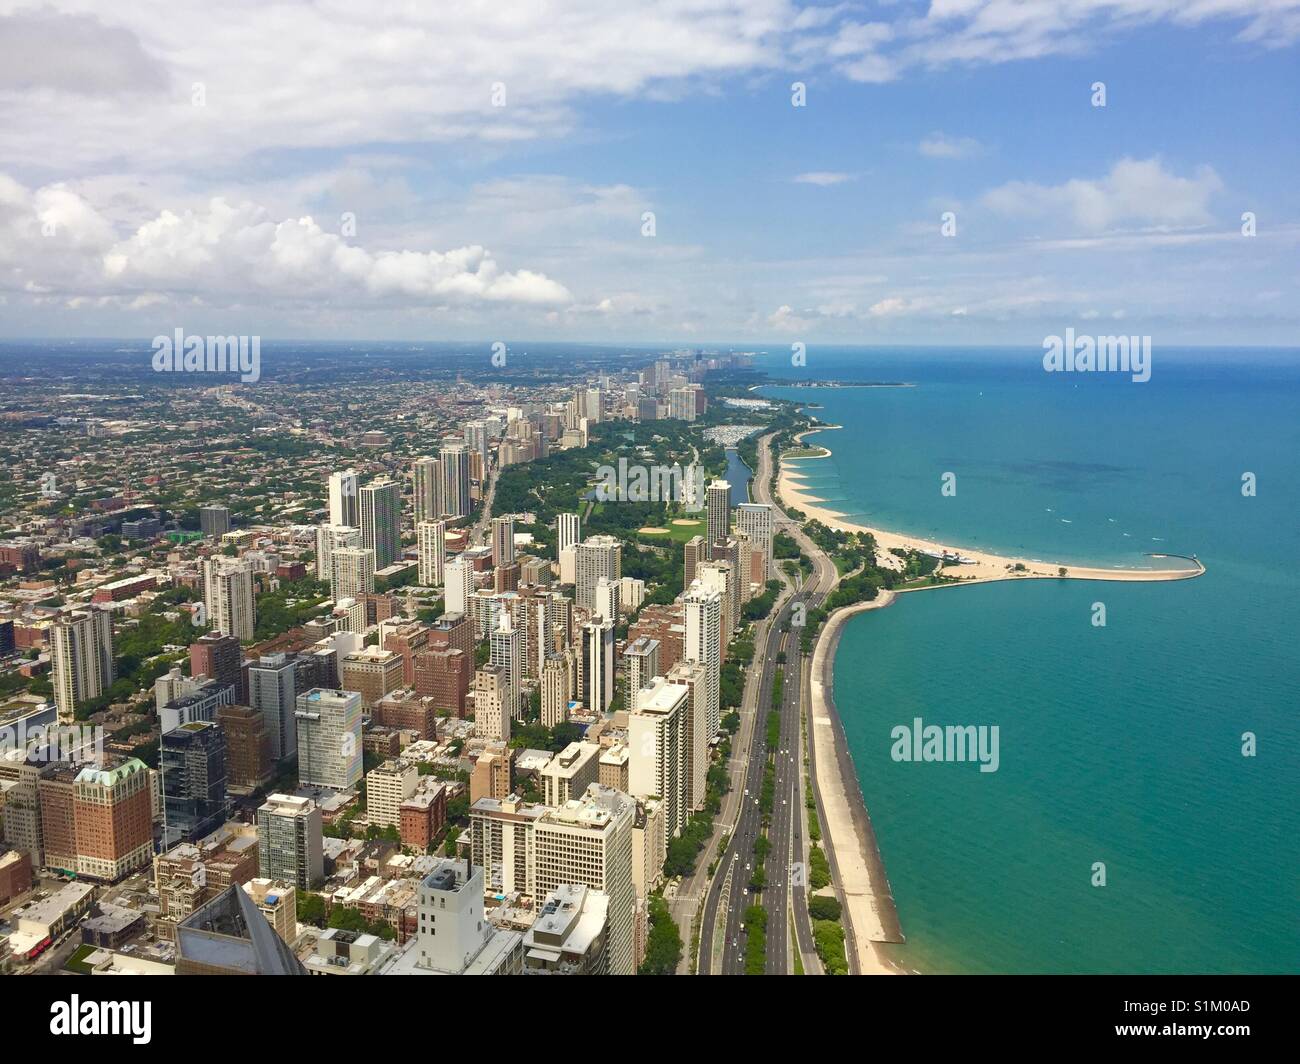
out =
column 130, row 206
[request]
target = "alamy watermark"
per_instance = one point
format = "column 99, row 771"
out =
column 48, row 744
column 179, row 353
column 683, row 485
column 954, row 742
column 1098, row 354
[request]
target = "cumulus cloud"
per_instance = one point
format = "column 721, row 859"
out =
column 1136, row 192
column 55, row 241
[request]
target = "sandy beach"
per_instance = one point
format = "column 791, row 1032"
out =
column 859, row 870
column 982, row 566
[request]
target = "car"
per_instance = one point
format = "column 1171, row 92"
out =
column 742, row 929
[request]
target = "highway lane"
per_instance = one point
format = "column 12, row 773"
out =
column 782, row 890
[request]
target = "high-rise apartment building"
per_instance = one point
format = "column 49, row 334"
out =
column 272, row 692
column 192, row 759
column 329, row 738
column 431, row 544
column 458, row 575
column 589, row 841
column 387, row 787
column 453, row 936
column 98, row 820
column 656, row 743
column 330, row 538
column 343, row 502
column 570, row 772
column 506, row 649
column 695, row 677
column 289, row 846
column 228, row 594
column 696, row 551
column 717, row 502
column 755, row 520
column 597, row 665
column 427, row 503
column 214, row 521
column 219, row 658
column 81, row 645
column 640, row 665
column 249, row 763
column 595, row 559
column 454, row 456
column 703, row 643
column 381, row 521
column 605, row 602
column 354, row 573
column 557, row 691
column 503, row 540
column 491, row 716
column 568, row 531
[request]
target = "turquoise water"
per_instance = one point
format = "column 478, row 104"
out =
column 1122, row 744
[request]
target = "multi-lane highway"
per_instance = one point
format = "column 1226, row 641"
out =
column 730, row 894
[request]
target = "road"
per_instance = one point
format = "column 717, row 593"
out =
column 479, row 528
column 729, row 893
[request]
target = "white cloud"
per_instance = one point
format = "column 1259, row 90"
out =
column 59, row 242
column 1135, row 192
column 939, row 145
column 824, row 178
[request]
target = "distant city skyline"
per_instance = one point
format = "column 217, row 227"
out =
column 406, row 187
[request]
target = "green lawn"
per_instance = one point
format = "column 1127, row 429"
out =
column 675, row 533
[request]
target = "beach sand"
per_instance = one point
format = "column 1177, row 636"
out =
column 984, row 567
column 859, row 869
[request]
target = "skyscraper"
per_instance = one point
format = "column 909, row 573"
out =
column 704, row 606
column 330, row 538
column 755, row 520
column 228, row 593
column 344, row 509
column 492, row 717
column 589, row 841
column 459, row 576
column 192, row 759
column 605, row 602
column 81, row 645
column 329, row 738
column 354, row 572
column 656, row 742
column 289, row 846
column 271, row 691
column 506, row 650
column 568, row 531
column 597, row 665
column 503, row 540
column 595, row 559
column 476, row 441
column 214, row 521
column 431, row 544
column 381, row 521
column 455, row 478
column 428, row 502
column 696, row 550
column 219, row 658
column 640, row 665
column 718, row 506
